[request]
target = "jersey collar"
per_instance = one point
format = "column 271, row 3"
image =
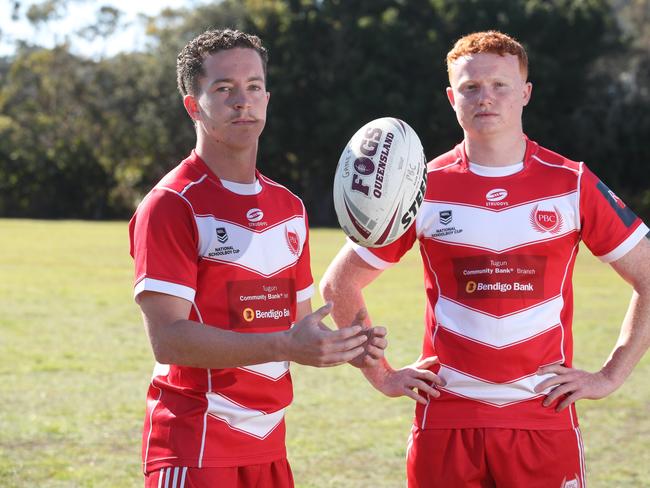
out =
column 531, row 150
column 195, row 160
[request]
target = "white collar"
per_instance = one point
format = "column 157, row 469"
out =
column 496, row 171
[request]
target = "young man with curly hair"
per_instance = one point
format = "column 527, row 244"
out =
column 224, row 283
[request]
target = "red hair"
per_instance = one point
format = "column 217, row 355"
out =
column 488, row 42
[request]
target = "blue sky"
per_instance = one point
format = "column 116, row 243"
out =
column 78, row 14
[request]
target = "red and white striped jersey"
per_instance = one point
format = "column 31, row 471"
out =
column 242, row 260
column 498, row 255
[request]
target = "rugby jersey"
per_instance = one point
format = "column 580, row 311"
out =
column 498, row 255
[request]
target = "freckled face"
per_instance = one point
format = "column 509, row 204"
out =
column 488, row 93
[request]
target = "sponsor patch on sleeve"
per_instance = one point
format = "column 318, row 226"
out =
column 624, row 212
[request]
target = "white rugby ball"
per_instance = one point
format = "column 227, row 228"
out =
column 380, row 182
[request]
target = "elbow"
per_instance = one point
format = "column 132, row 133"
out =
column 328, row 289
column 161, row 353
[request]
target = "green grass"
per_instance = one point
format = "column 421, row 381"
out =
column 75, row 364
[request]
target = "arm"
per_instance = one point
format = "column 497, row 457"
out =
column 633, row 340
column 176, row 340
column 342, row 283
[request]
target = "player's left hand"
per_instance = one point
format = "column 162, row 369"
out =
column 373, row 348
column 573, row 384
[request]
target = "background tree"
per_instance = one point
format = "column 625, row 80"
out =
column 88, row 138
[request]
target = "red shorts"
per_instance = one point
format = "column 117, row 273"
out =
column 268, row 475
column 489, row 458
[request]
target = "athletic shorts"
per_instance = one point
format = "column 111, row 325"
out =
column 491, row 458
column 268, row 475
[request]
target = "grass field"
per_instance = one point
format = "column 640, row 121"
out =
column 75, row 364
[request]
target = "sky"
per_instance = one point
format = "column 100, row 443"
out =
column 78, row 14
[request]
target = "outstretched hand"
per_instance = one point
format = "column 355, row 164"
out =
column 572, row 384
column 415, row 381
column 312, row 343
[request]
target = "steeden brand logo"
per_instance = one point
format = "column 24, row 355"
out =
column 546, row 220
column 254, row 215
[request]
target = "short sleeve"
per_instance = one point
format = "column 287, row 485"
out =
column 164, row 245
column 609, row 228
column 386, row 256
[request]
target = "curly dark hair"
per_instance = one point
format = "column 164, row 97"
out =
column 189, row 63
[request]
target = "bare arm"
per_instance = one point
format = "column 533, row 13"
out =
column 342, row 284
column 633, row 340
column 176, row 340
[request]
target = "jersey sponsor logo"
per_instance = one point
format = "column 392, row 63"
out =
column 261, row 304
column 445, row 217
column 502, row 276
column 495, row 197
column 222, row 235
column 248, row 314
column 624, row 212
column 546, row 220
column 255, row 216
column 293, row 241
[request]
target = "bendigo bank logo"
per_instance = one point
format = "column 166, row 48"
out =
column 248, row 314
column 546, row 220
column 470, row 287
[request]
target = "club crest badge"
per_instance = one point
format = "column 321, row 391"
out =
column 222, row 235
column 546, row 220
column 292, row 241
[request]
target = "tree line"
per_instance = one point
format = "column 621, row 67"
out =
column 87, row 138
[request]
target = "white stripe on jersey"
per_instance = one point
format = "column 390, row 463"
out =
column 153, row 409
column 175, row 477
column 495, row 394
column 305, row 293
column 161, row 475
column 488, row 229
column 368, row 256
column 182, row 485
column 255, row 251
column 626, row 246
column 247, row 420
column 166, row 287
column 167, row 475
column 502, row 331
column 272, row 371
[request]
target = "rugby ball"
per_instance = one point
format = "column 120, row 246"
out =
column 380, row 181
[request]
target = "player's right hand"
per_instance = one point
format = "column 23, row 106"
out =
column 312, row 343
column 415, row 381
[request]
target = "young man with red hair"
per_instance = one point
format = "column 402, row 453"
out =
column 499, row 232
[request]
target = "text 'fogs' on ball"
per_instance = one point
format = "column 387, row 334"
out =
column 380, row 182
